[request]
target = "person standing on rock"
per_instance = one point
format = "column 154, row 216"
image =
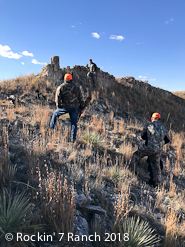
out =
column 68, row 99
column 92, row 74
column 156, row 136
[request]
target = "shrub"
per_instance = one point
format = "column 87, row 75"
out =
column 114, row 173
column 93, row 138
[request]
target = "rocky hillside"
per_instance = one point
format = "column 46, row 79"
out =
column 127, row 96
column 87, row 188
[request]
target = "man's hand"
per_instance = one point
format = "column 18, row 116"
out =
column 82, row 111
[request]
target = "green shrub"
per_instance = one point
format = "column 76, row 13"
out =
column 93, row 138
column 7, row 173
column 114, row 173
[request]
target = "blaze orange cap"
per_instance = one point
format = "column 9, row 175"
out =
column 156, row 115
column 68, row 77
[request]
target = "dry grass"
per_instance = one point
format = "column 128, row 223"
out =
column 172, row 189
column 57, row 200
column 97, row 124
column 171, row 229
column 177, row 139
column 10, row 114
column 167, row 165
column 121, row 207
column 15, row 85
column 127, row 150
column 122, row 127
column 37, row 84
column 180, row 94
column 88, row 150
column 159, row 200
column 72, row 156
column 120, row 177
column 40, row 114
column 177, row 169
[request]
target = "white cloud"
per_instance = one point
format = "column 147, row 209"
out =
column 5, row 51
column 23, row 63
column 152, row 79
column 34, row 61
column 28, row 54
column 166, row 22
column 117, row 37
column 72, row 26
column 95, row 35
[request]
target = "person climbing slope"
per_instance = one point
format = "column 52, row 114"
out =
column 68, row 99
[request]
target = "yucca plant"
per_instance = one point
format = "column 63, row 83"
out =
column 14, row 211
column 94, row 138
column 114, row 173
column 7, row 173
column 138, row 233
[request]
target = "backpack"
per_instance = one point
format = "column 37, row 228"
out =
column 95, row 67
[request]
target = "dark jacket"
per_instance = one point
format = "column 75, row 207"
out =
column 68, row 95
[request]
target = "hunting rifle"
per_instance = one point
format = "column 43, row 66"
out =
column 85, row 105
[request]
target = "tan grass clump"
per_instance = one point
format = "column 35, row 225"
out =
column 127, row 150
column 122, row 127
column 10, row 112
column 172, row 189
column 121, row 207
column 159, row 199
column 57, row 200
column 171, row 228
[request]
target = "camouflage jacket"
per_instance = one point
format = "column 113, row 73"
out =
column 68, row 95
column 155, row 135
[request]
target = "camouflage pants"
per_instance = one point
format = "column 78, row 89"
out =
column 154, row 161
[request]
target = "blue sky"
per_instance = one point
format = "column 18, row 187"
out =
column 140, row 38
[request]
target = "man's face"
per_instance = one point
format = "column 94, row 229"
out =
column 153, row 119
column 90, row 61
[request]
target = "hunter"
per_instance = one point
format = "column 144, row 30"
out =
column 68, row 99
column 92, row 73
column 155, row 136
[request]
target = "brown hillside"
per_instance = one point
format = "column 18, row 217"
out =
column 180, row 94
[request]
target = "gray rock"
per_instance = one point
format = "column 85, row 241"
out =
column 81, row 228
column 12, row 99
column 82, row 200
column 158, row 216
column 95, row 210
